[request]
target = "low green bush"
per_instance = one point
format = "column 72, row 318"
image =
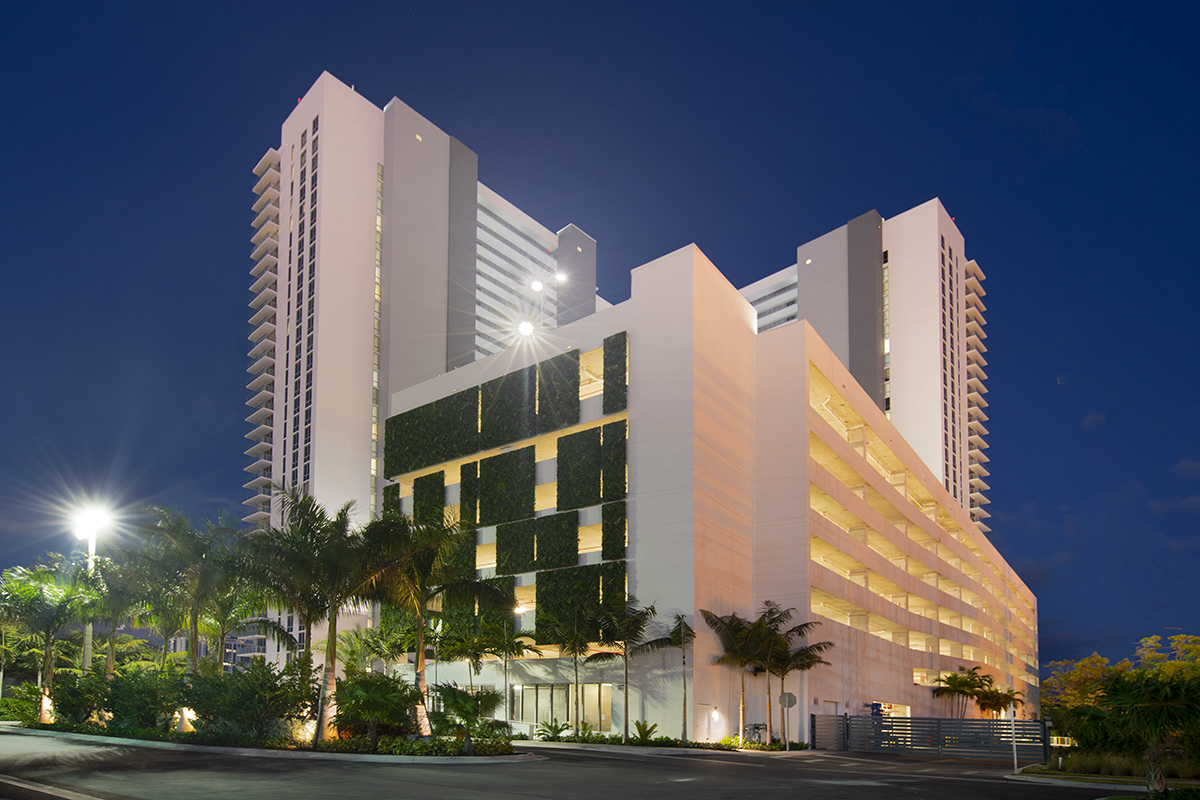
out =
column 143, row 698
column 21, row 704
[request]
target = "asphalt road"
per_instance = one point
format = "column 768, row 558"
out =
column 121, row 773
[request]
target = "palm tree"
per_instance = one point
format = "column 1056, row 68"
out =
column 993, row 700
column 681, row 637
column 572, row 633
column 961, row 687
column 787, row 661
column 41, row 601
column 468, row 712
column 121, row 593
column 740, row 651
column 388, row 644
column 373, row 698
column 623, row 626
column 425, row 568
column 1154, row 707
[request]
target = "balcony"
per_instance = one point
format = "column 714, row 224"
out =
column 974, row 385
column 269, row 178
column 268, row 261
column 974, row 328
column 977, row 468
column 261, row 414
column 975, row 315
column 269, row 229
column 260, row 447
column 257, row 518
column 259, row 499
column 260, row 465
column 269, row 211
column 269, row 159
column 979, row 512
column 267, row 279
column 973, row 370
column 975, row 343
column 264, row 361
column 258, row 483
column 265, row 312
column 267, row 295
column 262, row 380
column 263, row 396
column 268, row 245
column 976, row 441
column 978, row 484
column 262, row 432
column 973, row 286
column 977, row 427
column 262, row 331
column 976, row 357
column 268, row 198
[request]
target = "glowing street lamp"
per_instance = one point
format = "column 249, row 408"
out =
column 525, row 328
column 88, row 523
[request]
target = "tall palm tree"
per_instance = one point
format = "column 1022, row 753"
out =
column 121, row 593
column 787, row 661
column 423, row 569
column 775, row 648
column 740, row 651
column 623, row 626
column 572, row 633
column 43, row 602
column 679, row 637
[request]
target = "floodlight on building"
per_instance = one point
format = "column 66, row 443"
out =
column 537, row 286
column 525, row 328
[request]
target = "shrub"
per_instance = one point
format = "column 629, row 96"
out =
column 375, row 702
column 423, row 747
column 141, row 699
column 645, row 730
column 22, row 704
column 252, row 703
column 552, row 731
column 77, row 697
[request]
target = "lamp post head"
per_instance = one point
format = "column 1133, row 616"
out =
column 91, row 521
column 525, row 328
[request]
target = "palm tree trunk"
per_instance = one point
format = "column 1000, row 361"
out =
column 47, row 677
column 324, row 728
column 684, row 732
column 419, row 678
column 110, row 665
column 625, row 713
column 576, row 661
column 742, row 711
column 193, row 639
column 768, row 708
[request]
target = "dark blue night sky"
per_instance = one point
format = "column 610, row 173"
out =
column 1063, row 140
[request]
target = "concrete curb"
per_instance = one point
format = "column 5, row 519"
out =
column 1129, row 788
column 659, row 751
column 293, row 754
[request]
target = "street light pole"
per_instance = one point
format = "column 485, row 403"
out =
column 87, row 524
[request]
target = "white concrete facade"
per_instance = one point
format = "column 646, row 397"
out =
column 929, row 298
column 759, row 470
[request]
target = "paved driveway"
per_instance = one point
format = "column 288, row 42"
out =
column 119, row 773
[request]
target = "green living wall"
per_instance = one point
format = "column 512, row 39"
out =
column 443, row 430
column 506, row 408
column 612, row 531
column 616, row 367
column 558, row 392
column 579, row 470
column 612, row 461
column 506, row 487
column 429, row 498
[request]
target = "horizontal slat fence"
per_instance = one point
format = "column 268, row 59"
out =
column 961, row 738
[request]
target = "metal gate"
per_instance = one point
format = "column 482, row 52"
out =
column 961, row 738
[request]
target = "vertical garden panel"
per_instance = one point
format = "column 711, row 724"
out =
column 506, row 487
column 557, row 540
column 612, row 461
column 579, row 470
column 507, row 408
column 515, row 547
column 612, row 531
column 616, row 368
column 468, row 495
column 429, row 498
column 558, row 392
